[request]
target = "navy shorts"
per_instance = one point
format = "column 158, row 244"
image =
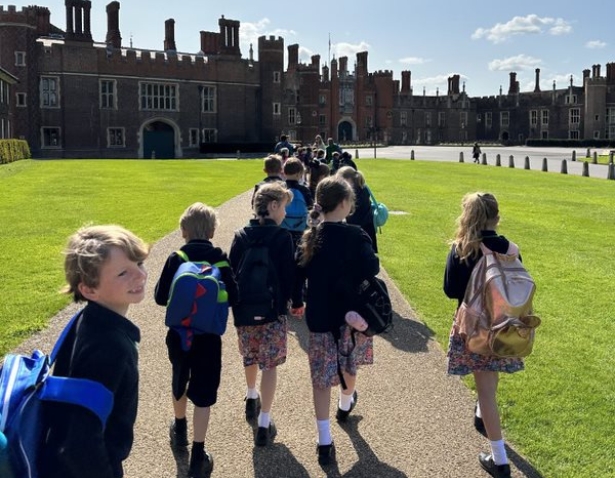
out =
column 198, row 369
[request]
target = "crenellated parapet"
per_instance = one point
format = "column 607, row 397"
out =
column 37, row 18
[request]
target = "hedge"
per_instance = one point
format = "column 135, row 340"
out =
column 13, row 150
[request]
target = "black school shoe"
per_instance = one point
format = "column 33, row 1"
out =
column 326, row 454
column 342, row 415
column 265, row 434
column 201, row 466
column 253, row 406
column 177, row 439
column 479, row 424
column 497, row 471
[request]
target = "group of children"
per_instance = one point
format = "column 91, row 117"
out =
column 104, row 267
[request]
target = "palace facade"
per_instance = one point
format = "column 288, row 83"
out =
column 71, row 96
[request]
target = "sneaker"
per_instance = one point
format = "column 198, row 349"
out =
column 497, row 471
column 479, row 424
column 342, row 415
column 253, row 406
column 202, row 466
column 178, row 439
column 265, row 434
column 326, row 453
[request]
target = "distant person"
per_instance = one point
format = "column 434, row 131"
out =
column 476, row 153
column 346, row 160
column 272, row 167
column 319, row 143
column 195, row 372
column 295, row 221
column 265, row 280
column 475, row 226
column 104, row 268
column 362, row 214
column 284, row 143
column 333, row 256
column 318, row 171
column 330, row 149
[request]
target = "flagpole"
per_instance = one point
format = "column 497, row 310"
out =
column 329, row 49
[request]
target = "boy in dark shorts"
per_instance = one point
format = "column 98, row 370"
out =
column 196, row 372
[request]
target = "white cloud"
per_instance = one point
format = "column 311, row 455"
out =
column 435, row 83
column 595, row 44
column 250, row 32
column 530, row 24
column 519, row 62
column 413, row 60
column 349, row 49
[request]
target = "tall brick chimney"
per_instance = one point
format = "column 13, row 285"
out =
column 537, row 87
column 405, row 81
column 513, row 87
column 210, row 43
column 78, row 23
column 114, row 37
column 316, row 62
column 229, row 37
column 343, row 64
column 169, row 35
column 293, row 56
column 362, row 63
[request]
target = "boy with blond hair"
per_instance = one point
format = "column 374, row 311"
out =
column 103, row 267
column 272, row 167
column 195, row 372
column 295, row 221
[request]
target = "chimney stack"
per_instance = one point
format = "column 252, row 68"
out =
column 169, row 35
column 114, row 37
column 537, row 87
column 293, row 56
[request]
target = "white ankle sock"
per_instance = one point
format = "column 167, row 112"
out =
column 252, row 393
column 264, row 419
column 324, row 432
column 478, row 412
column 498, row 452
column 345, row 401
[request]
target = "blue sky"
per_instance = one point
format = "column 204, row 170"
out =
column 482, row 41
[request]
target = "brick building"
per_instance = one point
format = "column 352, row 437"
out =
column 77, row 97
column 6, row 105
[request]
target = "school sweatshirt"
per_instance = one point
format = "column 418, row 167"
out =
column 105, row 350
column 343, row 253
column 457, row 273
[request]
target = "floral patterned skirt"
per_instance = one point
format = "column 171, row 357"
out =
column 264, row 345
column 463, row 362
column 323, row 355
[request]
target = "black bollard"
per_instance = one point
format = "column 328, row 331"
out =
column 527, row 163
column 585, row 169
column 356, row 154
column 564, row 166
column 611, row 172
column 595, row 158
column 498, row 161
column 511, row 161
column 484, row 161
column 412, row 155
column 545, row 165
column 461, row 157
column 574, row 155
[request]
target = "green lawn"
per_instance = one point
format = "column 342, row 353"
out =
column 43, row 202
column 559, row 412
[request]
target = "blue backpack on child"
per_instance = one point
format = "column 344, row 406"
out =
column 26, row 384
column 198, row 301
column 296, row 213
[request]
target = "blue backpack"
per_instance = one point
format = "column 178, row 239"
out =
column 296, row 213
column 26, row 384
column 198, row 301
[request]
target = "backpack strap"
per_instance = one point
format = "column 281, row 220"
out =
column 371, row 194
column 185, row 258
column 182, row 255
column 62, row 338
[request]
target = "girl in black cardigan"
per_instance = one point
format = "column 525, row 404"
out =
column 476, row 225
column 333, row 253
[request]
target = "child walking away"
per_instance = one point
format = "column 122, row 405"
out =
column 475, row 226
column 262, row 256
column 362, row 214
column 272, row 167
column 295, row 221
column 476, row 153
column 103, row 267
column 195, row 369
column 332, row 255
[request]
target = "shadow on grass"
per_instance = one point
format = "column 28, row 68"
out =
column 522, row 464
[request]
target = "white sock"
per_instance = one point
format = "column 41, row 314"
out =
column 324, row 432
column 498, row 452
column 264, row 419
column 478, row 412
column 345, row 401
column 252, row 393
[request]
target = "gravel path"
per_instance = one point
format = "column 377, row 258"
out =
column 412, row 420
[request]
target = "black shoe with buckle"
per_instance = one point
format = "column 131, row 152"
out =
column 201, row 466
column 265, row 434
column 479, row 424
column 178, row 439
column 342, row 415
column 497, row 471
column 326, row 454
column 253, row 406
